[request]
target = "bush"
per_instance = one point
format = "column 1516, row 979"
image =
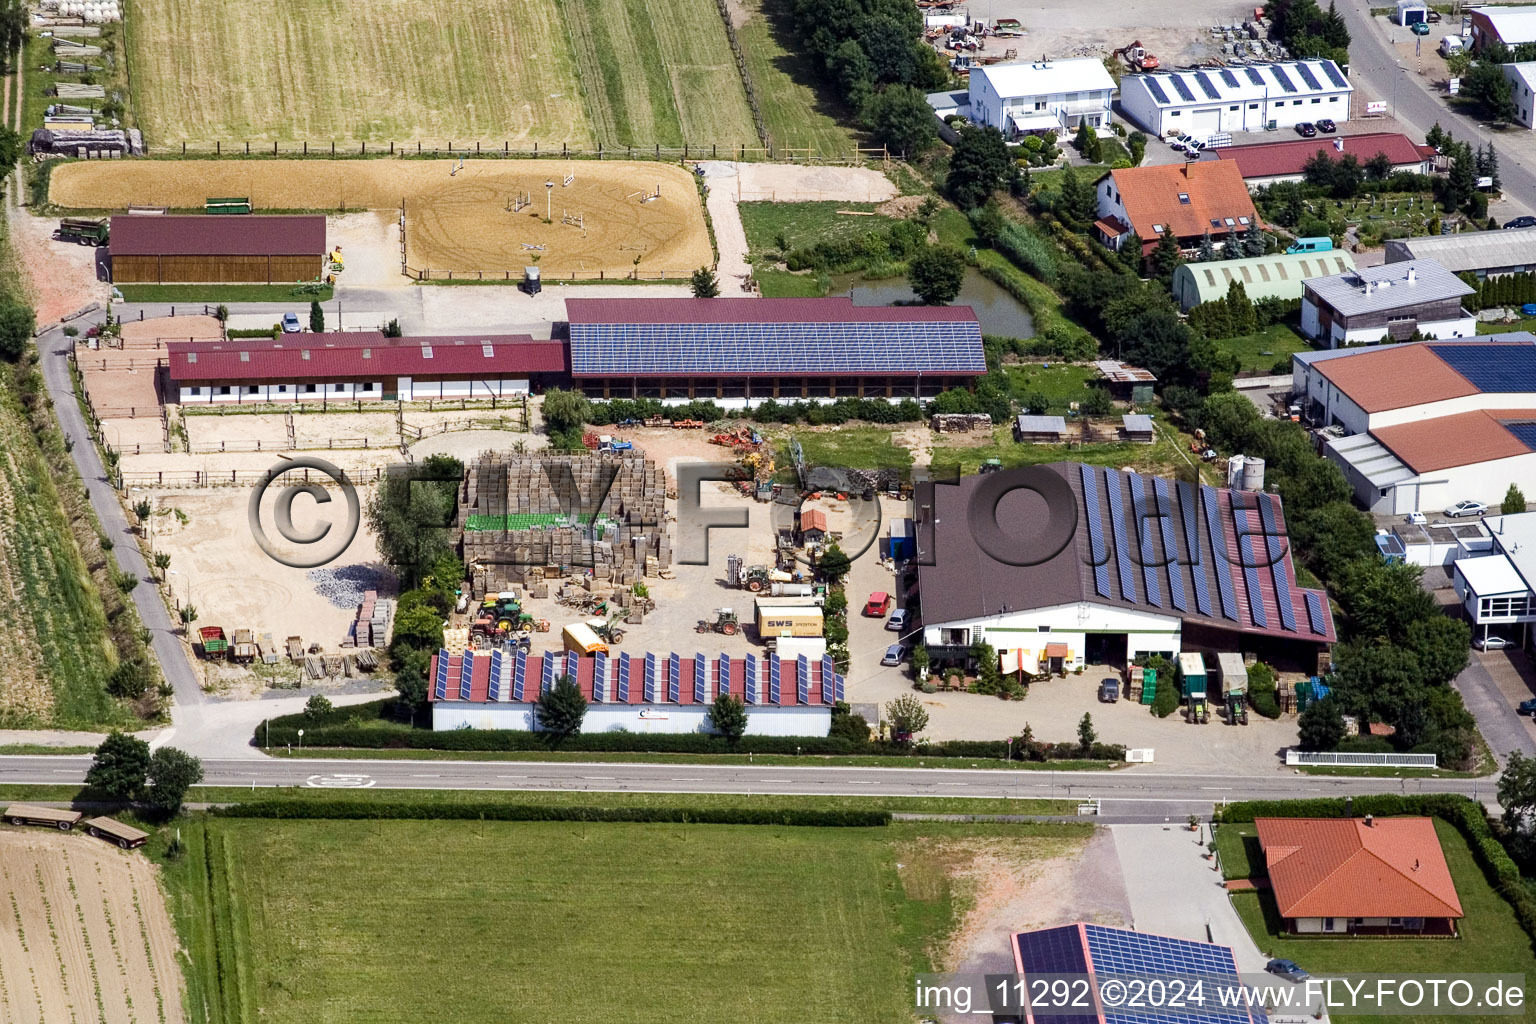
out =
column 1166, row 701
column 494, row 811
column 1261, row 690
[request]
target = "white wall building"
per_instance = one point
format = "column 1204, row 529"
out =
column 1386, row 303
column 1019, row 99
column 1239, row 99
column 1522, row 82
column 1498, row 589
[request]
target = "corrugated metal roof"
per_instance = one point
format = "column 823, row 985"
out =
column 217, row 235
column 1278, row 275
column 836, row 309
column 1137, row 423
column 1041, row 424
column 1389, row 286
column 1513, row 25
column 321, row 356
column 1372, row 460
column 1470, row 250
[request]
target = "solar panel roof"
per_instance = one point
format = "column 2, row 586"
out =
column 1229, row 78
column 1254, row 76
column 1524, row 432
column 1116, row 497
column 1282, row 78
column 1207, row 86
column 1308, row 77
column 1182, row 88
column 1334, row 74
column 1156, row 89
column 1495, row 368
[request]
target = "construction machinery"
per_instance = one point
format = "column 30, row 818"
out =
column 743, row 439
column 334, row 261
column 82, row 230
column 753, row 577
column 992, row 466
column 607, row 444
column 609, row 630
column 725, row 621
column 1136, row 57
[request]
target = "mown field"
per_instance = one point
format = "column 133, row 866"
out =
column 799, row 113
column 507, row 922
column 619, row 72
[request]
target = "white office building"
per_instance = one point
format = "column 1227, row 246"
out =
column 1498, row 589
column 1023, row 99
column 1239, row 99
column 1522, row 90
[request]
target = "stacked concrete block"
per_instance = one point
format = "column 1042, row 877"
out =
column 374, row 618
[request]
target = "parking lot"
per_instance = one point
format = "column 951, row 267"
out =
column 1176, row 33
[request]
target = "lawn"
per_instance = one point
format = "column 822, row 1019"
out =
column 800, row 225
column 291, row 922
column 798, row 112
column 1491, row 938
column 781, row 284
column 1060, row 382
column 1162, row 457
column 850, row 447
column 1238, row 848
column 372, row 70
column 1523, row 324
column 656, row 72
column 225, row 293
column 1259, row 352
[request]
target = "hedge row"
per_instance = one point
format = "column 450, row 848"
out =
column 1467, row 816
column 497, row 811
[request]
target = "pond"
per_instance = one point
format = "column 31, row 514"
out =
column 999, row 312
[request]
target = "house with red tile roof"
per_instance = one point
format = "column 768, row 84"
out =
column 1359, row 876
column 1187, row 201
column 1266, row 163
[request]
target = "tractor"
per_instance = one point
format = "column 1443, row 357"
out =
column 501, row 614
column 725, row 621
column 992, row 466
column 607, row 630
column 1237, row 707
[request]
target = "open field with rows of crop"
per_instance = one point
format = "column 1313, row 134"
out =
column 384, row 921
column 84, row 933
column 618, row 72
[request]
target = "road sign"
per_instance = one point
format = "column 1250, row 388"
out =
column 1376, row 107
column 1454, row 85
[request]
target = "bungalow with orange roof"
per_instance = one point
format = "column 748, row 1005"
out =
column 1187, row 201
column 1359, row 876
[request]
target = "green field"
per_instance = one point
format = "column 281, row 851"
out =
column 1491, row 939
column 291, row 922
column 853, row 447
column 798, row 115
column 1262, row 350
column 225, row 293
column 805, row 224
column 577, row 72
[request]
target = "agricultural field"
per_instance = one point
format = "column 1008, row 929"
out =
column 797, row 114
column 657, row 72
column 54, row 646
column 459, row 219
column 84, row 934
column 369, row 70
column 290, row 922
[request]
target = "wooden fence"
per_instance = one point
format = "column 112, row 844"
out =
column 192, row 478
column 330, row 149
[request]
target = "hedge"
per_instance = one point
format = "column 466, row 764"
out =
column 495, row 811
column 1466, row 816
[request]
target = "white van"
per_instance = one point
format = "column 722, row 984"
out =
column 1452, row 44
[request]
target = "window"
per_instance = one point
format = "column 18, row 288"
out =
column 309, row 389
column 1333, row 99
column 1215, row 222
column 1183, row 198
column 1229, row 224
column 194, row 391
column 1173, row 113
column 304, row 353
column 490, row 350
column 1237, row 106
column 1044, row 629
column 224, row 389
column 426, row 351
column 1243, row 221
column 955, row 637
column 252, row 390
column 368, row 386
column 1327, row 924
column 245, row 357
column 1296, row 103
column 191, row 357
column 1253, row 106
column 1157, row 229
column 1039, row 104
column 1319, row 99
column 282, row 388
column 367, row 353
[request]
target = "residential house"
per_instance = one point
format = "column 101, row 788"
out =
column 1031, row 98
column 1391, row 302
column 1187, row 201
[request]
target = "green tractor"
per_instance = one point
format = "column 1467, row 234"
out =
column 1237, row 707
column 725, row 621
column 500, row 613
column 608, row 631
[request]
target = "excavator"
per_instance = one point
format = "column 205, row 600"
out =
column 1137, row 57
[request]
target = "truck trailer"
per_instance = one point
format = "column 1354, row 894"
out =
column 774, row 621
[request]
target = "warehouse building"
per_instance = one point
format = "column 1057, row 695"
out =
column 1241, row 99
column 739, row 352
column 1482, row 253
column 1276, row 276
column 1392, row 302
column 362, row 365
column 1418, row 427
column 1024, row 98
column 1268, row 163
column 656, row 693
column 206, row 249
column 1508, row 25
column 1089, row 566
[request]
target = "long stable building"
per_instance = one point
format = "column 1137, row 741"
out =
column 738, row 352
column 362, row 365
column 636, row 693
column 202, row 249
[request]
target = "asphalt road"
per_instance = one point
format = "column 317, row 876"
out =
column 1125, row 795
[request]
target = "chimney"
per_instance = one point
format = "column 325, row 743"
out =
column 1370, row 821
column 1413, row 274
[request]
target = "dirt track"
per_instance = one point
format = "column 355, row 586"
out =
column 457, row 221
column 84, row 933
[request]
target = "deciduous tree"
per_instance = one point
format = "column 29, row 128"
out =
column 907, row 717
column 936, row 273
column 120, row 767
column 728, row 717
column 171, row 773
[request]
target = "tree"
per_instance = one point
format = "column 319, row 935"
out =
column 1035, row 403
column 705, row 284
column 907, row 716
column 833, row 564
column 1137, row 143
column 420, row 627
column 14, row 20
column 1486, row 85
column 1331, row 536
column 1378, row 167
column 317, row 707
column 1086, row 737
column 1239, row 309
column 1435, row 137
column 316, row 318
column 1253, row 241
column 565, row 410
column 1098, row 403
column 560, row 709
column 1514, row 501
column 1461, row 182
column 1166, row 257
column 978, row 165
column 162, row 560
column 1493, row 170
column 1129, row 252
column 1321, row 726
column 1318, row 170
column 392, row 329
column 171, row 773
column 1517, row 794
column 130, row 679
column 1207, row 253
column 1077, row 201
column 1441, row 645
column 410, row 512
column 1347, row 177
column 411, row 665
column 17, row 322
column 728, row 717
column 900, row 117
column 936, row 273
column 120, row 767
column 1382, row 599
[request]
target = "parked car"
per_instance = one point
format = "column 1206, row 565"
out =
column 1466, row 508
column 1526, row 707
column 1521, row 222
column 1287, row 969
column 291, row 323
column 878, row 604
column 898, row 620
column 1491, row 642
column 1306, row 130
column 1326, row 126
column 1415, row 517
column 1191, row 144
column 1419, row 28
column 1109, row 690
column 894, row 654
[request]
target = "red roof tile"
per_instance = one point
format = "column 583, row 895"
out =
column 1274, row 159
column 1426, row 446
column 813, row 519
column 311, row 357
column 217, row 236
column 835, row 309
column 1215, row 189
column 1395, row 377
column 1342, row 867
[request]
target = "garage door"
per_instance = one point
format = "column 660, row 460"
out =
column 1206, row 122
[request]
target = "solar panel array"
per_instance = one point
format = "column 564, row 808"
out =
column 1120, row 952
column 1164, row 513
column 466, row 674
column 1525, row 433
column 1280, row 76
column 600, row 677
column 1277, row 570
column 1255, row 77
column 519, row 673
column 1156, row 89
column 802, row 680
column 751, row 679
column 831, row 682
column 1494, row 368
column 674, row 678
column 1207, row 86
column 572, row 664
column 1308, row 77
column 1144, row 529
column 1315, row 614
column 1230, row 78
column 1250, row 564
column 1098, row 554
column 1054, row 951
column 497, row 690
column 1189, row 514
column 773, row 678
column 937, row 346
column 1212, row 507
column 440, row 678
column 650, row 678
column 1181, row 88
column 700, row 679
column 1334, row 74
column 624, row 678
column 1122, row 541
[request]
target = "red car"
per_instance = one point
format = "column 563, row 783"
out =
column 879, row 603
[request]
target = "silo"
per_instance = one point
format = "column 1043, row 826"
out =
column 1253, row 473
column 1235, row 471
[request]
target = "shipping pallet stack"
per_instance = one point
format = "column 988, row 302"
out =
column 628, row 542
column 374, row 618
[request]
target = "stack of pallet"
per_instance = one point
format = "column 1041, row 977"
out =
column 374, row 617
column 521, row 513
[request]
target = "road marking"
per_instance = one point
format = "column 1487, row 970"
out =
column 426, row 776
column 856, row 782
column 340, row 782
column 1217, row 789
column 599, row 778
column 688, row 779
column 63, row 771
column 954, row 783
column 511, row 776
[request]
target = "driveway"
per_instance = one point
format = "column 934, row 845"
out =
column 1491, row 685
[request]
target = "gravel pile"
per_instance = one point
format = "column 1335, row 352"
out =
column 344, row 585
